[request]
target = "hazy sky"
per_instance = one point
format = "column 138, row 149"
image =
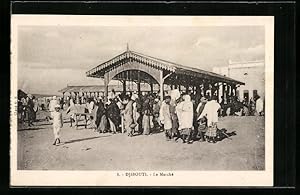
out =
column 50, row 57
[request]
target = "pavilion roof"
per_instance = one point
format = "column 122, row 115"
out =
column 157, row 63
column 99, row 88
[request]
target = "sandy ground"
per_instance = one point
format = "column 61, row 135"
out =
column 84, row 149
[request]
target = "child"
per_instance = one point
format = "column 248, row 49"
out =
column 57, row 124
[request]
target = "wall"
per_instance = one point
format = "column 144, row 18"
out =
column 251, row 73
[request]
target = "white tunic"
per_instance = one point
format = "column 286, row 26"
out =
column 185, row 114
column 165, row 115
column 211, row 111
column 259, row 105
column 57, row 119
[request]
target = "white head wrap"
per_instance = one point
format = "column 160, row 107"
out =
column 134, row 97
column 175, row 94
column 187, row 98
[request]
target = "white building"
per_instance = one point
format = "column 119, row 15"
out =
column 252, row 73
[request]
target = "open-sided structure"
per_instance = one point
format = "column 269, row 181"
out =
column 141, row 68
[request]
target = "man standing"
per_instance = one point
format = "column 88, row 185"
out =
column 136, row 108
column 175, row 95
column 35, row 107
column 211, row 112
column 128, row 116
column 201, row 121
column 146, row 112
column 30, row 111
column 165, row 117
column 113, row 115
column 185, row 114
column 259, row 106
column 57, row 123
column 52, row 104
column 156, row 110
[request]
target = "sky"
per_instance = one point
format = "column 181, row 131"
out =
column 52, row 57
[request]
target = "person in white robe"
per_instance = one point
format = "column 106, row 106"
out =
column 259, row 106
column 165, row 117
column 211, row 112
column 185, row 113
column 57, row 123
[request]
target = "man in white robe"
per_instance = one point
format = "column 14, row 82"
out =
column 211, row 112
column 185, row 113
column 259, row 106
column 165, row 117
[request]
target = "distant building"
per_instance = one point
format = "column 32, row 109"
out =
column 252, row 73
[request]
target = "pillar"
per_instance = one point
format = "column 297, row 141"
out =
column 124, row 86
column 151, row 87
column 139, row 87
column 139, row 84
column 161, row 85
column 223, row 91
column 228, row 90
column 217, row 88
column 198, row 89
column 205, row 87
column 232, row 89
column 105, row 87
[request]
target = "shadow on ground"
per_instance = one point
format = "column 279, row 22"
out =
column 221, row 135
column 84, row 139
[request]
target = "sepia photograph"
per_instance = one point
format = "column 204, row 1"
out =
column 142, row 100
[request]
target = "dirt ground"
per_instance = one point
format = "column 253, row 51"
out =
column 84, row 149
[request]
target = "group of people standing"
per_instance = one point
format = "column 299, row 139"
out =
column 27, row 109
column 233, row 106
column 181, row 119
column 178, row 115
column 127, row 112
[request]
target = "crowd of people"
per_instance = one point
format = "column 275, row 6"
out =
column 180, row 115
column 27, row 109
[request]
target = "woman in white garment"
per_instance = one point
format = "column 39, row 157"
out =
column 185, row 113
column 259, row 106
column 71, row 111
column 211, row 112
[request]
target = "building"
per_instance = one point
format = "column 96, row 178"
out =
column 252, row 73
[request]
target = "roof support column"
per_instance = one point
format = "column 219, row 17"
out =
column 105, row 87
column 205, row 87
column 124, row 86
column 218, row 90
column 228, row 92
column 139, row 88
column 161, row 85
column 198, row 89
column 151, row 87
column 223, row 92
column 234, row 90
column 186, row 89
